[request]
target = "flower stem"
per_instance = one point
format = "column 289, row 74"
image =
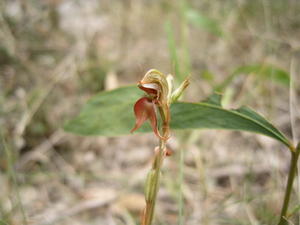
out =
column 289, row 187
column 152, row 183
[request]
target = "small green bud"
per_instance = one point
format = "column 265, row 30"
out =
column 178, row 92
column 150, row 185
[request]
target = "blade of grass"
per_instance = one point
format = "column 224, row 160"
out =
column 3, row 222
column 292, row 103
column 180, row 181
column 184, row 30
column 172, row 48
column 12, row 174
column 185, row 70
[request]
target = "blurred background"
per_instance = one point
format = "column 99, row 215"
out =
column 56, row 54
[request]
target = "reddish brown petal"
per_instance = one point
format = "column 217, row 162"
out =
column 140, row 111
column 144, row 109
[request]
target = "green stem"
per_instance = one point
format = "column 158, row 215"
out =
column 152, row 183
column 289, row 186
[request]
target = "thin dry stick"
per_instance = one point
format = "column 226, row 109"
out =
column 66, row 65
column 40, row 150
column 50, row 218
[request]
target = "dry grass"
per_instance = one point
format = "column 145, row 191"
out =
column 56, row 54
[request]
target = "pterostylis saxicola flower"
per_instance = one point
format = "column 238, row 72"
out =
column 156, row 104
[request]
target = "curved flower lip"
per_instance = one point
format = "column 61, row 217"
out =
column 144, row 109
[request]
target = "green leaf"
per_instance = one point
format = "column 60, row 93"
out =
column 294, row 210
column 262, row 71
column 209, row 114
column 204, row 22
column 111, row 114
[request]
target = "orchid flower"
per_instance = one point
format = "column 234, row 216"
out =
column 159, row 96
